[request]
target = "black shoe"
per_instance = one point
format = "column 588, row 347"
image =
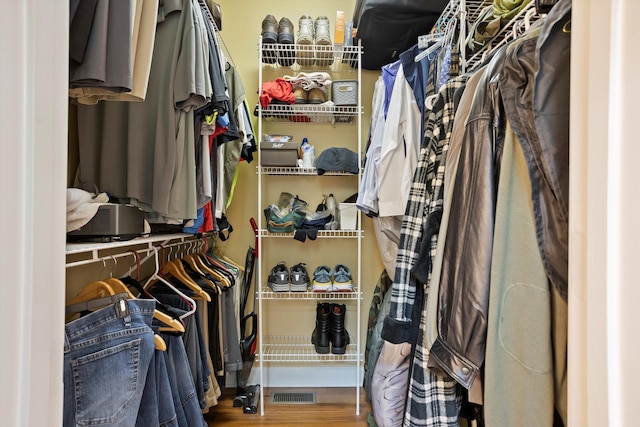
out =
column 321, row 334
column 269, row 37
column 339, row 335
column 286, row 50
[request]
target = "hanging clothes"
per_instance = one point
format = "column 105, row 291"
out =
column 151, row 143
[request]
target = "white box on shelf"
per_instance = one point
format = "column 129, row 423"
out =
column 348, row 216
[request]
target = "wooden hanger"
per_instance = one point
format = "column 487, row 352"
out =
column 175, row 269
column 101, row 289
column 93, row 290
column 172, row 325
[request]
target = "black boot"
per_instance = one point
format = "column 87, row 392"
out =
column 339, row 335
column 321, row 336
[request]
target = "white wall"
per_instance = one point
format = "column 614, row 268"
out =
column 33, row 155
column 604, row 230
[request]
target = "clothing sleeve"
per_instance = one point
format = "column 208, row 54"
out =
column 399, row 155
column 189, row 87
column 466, row 266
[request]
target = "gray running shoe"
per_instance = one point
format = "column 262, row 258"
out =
column 279, row 278
column 299, row 278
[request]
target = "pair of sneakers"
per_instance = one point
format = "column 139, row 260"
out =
column 314, row 41
column 283, row 279
column 327, row 280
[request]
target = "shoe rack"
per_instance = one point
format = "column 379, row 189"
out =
column 340, row 126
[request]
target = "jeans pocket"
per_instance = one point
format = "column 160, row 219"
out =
column 106, row 383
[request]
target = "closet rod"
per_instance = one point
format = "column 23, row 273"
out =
column 148, row 250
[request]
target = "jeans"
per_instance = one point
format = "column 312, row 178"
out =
column 185, row 398
column 106, row 358
column 157, row 407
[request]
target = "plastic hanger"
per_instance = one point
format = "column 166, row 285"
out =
column 446, row 39
column 156, row 277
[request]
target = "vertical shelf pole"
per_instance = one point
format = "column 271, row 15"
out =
column 258, row 282
column 359, row 229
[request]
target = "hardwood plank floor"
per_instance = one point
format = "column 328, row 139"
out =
column 333, row 407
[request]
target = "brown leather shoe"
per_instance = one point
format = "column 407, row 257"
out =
column 286, row 53
column 269, row 36
column 317, row 96
column 301, row 95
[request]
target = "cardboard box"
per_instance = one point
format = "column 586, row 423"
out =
column 284, row 154
column 338, row 34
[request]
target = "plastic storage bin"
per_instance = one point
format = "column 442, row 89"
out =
column 348, row 216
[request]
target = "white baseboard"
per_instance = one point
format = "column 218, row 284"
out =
column 298, row 376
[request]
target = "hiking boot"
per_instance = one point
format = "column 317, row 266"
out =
column 279, row 278
column 286, row 52
column 342, row 278
column 322, row 279
column 305, row 41
column 269, row 38
column 339, row 335
column 321, row 336
column 324, row 46
column 301, row 95
column 317, row 96
column 299, row 278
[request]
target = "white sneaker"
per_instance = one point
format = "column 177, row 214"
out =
column 324, row 46
column 305, row 41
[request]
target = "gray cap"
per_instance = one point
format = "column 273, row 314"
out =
column 336, row 159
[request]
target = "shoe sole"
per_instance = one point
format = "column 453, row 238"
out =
column 321, row 350
column 305, row 53
column 299, row 287
column 338, row 350
column 322, row 287
column 324, row 53
column 342, row 287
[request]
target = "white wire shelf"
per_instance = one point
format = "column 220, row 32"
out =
column 322, row 234
column 280, row 170
column 268, row 294
column 311, row 113
column 510, row 31
column 278, row 348
column 335, row 58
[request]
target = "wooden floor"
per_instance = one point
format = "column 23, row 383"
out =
column 333, row 407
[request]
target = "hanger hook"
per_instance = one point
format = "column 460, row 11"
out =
column 115, row 264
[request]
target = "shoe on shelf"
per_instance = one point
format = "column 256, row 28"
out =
column 317, row 96
column 301, row 95
column 299, row 278
column 321, row 336
column 342, row 278
column 339, row 335
column 322, row 279
column 305, row 41
column 324, row 46
column 269, row 37
column 286, row 52
column 279, row 278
